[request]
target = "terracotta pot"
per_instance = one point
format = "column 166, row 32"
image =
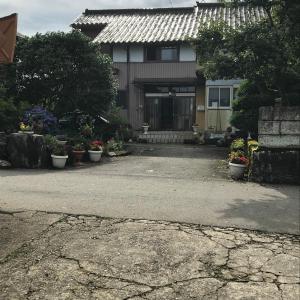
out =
column 78, row 155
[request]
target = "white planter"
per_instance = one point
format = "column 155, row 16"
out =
column 146, row 128
column 95, row 156
column 59, row 162
column 63, row 143
column 195, row 129
column 237, row 171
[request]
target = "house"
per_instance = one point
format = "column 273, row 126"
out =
column 156, row 65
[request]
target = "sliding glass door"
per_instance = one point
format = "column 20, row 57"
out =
column 170, row 112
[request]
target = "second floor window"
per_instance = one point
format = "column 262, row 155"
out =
column 162, row 53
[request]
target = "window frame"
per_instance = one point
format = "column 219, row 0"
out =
column 219, row 87
column 159, row 47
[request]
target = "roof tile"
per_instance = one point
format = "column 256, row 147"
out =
column 162, row 25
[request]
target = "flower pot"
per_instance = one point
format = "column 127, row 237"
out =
column 146, row 128
column 237, row 171
column 78, row 155
column 95, row 156
column 195, row 129
column 61, row 142
column 59, row 162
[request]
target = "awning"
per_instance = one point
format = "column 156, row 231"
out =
column 164, row 81
column 8, row 32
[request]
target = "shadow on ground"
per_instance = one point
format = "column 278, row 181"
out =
column 281, row 213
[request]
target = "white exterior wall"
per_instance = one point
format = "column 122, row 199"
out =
column 119, row 53
column 136, row 53
column 187, row 53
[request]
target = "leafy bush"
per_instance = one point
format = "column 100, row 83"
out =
column 10, row 111
column 41, row 120
column 113, row 145
column 238, row 144
column 63, row 72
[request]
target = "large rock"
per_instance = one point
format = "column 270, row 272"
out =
column 25, row 150
column 3, row 144
column 4, row 164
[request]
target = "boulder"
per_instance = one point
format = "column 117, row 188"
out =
column 26, row 150
column 4, row 164
column 3, row 144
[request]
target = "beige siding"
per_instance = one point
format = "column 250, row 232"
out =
column 218, row 119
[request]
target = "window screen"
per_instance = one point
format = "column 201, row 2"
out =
column 224, row 97
column 219, row 97
column 169, row 53
column 213, row 97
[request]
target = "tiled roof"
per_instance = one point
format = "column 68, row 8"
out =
column 162, row 24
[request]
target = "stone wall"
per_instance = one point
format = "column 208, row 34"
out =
column 279, row 127
column 278, row 160
column 276, row 166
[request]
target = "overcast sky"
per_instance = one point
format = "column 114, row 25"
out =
column 52, row 15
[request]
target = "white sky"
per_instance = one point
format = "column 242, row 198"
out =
column 57, row 15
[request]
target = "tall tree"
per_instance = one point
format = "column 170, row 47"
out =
column 63, row 72
column 267, row 54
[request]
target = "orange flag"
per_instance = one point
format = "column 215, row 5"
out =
column 8, row 32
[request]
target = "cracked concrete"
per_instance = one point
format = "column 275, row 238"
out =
column 56, row 256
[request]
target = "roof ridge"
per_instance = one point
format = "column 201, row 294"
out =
column 139, row 10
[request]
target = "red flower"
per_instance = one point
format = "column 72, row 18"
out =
column 96, row 143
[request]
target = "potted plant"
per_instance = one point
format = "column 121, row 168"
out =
column 95, row 151
column 25, row 128
column 238, row 163
column 146, row 128
column 78, row 151
column 195, row 129
column 61, row 139
column 59, row 156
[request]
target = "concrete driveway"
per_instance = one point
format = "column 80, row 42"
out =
column 158, row 182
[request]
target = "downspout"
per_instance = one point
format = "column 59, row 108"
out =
column 128, row 83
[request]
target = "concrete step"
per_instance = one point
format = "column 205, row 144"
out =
column 167, row 137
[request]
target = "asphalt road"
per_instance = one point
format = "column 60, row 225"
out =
column 173, row 183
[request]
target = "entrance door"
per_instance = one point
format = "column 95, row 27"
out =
column 169, row 113
column 184, row 108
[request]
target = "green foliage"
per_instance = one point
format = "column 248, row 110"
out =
column 50, row 141
column 246, row 106
column 113, row 145
column 64, row 72
column 267, row 54
column 238, row 144
column 79, row 147
column 59, row 150
column 10, row 111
